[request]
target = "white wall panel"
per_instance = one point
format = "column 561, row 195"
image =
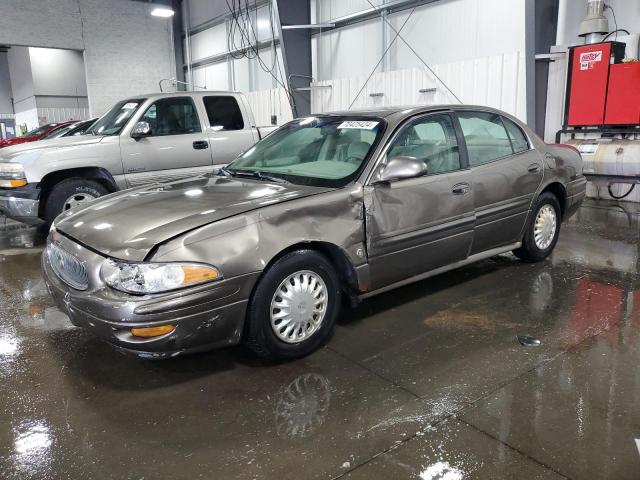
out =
column 330, row 9
column 495, row 81
column 267, row 102
column 347, row 52
column 209, row 42
column 448, row 31
column 48, row 115
column 212, row 77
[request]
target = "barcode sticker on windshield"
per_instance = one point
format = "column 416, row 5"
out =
column 129, row 106
column 360, row 124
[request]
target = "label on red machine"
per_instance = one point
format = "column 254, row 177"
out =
column 589, row 59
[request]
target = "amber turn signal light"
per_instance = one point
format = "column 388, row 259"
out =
column 147, row 332
column 13, row 183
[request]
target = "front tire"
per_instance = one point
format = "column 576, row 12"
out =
column 70, row 193
column 542, row 230
column 294, row 306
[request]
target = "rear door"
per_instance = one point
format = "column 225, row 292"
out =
column 419, row 224
column 229, row 133
column 506, row 172
column 177, row 147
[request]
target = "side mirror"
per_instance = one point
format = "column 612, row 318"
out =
column 400, row 168
column 141, row 129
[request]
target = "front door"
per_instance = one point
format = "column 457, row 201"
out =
column 419, row 224
column 176, row 148
column 506, row 174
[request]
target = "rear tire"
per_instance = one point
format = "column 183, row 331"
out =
column 305, row 284
column 542, row 230
column 69, row 193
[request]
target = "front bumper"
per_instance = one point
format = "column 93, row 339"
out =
column 206, row 316
column 21, row 204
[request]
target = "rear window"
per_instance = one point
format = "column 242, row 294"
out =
column 224, row 113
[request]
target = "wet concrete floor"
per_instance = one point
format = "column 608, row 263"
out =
column 424, row 382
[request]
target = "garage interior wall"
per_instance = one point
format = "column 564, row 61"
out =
column 477, row 47
column 126, row 50
column 215, row 69
column 6, row 106
column 49, row 85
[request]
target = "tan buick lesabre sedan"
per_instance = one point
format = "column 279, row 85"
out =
column 327, row 207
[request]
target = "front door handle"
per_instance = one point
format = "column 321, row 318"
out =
column 460, row 189
column 200, row 145
column 533, row 168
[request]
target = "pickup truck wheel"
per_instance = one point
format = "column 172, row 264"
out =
column 542, row 230
column 70, row 193
column 294, row 306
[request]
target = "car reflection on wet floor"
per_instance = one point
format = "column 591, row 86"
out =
column 427, row 382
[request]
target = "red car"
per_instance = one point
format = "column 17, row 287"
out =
column 36, row 134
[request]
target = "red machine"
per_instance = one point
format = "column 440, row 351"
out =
column 589, row 82
column 623, row 99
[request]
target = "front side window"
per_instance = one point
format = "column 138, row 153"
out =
column 319, row 151
column 431, row 139
column 112, row 122
column 172, row 116
column 517, row 136
column 485, row 136
column 224, row 113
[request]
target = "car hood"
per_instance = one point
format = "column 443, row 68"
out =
column 129, row 224
column 63, row 142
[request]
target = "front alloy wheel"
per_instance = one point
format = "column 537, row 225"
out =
column 293, row 307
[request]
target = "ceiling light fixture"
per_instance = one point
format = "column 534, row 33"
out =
column 163, row 12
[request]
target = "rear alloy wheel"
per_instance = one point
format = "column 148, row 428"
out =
column 542, row 231
column 294, row 306
column 69, row 194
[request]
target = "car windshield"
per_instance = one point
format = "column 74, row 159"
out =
column 39, row 130
column 115, row 119
column 324, row 151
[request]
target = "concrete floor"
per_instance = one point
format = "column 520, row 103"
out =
column 424, row 382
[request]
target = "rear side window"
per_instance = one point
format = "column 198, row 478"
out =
column 485, row 136
column 224, row 112
column 517, row 136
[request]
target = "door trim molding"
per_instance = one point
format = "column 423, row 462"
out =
column 416, row 278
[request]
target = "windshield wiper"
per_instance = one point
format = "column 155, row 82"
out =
column 254, row 174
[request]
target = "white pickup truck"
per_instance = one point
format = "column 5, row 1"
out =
column 141, row 140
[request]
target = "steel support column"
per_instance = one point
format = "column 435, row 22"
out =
column 295, row 45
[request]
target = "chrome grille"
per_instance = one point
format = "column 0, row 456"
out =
column 67, row 267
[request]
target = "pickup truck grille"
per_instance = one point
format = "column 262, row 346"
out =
column 67, row 267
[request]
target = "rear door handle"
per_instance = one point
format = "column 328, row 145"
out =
column 534, row 168
column 460, row 189
column 200, row 145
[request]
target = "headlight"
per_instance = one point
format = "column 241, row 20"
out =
column 144, row 278
column 12, row 175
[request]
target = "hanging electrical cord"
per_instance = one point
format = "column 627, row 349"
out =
column 616, row 33
column 418, row 56
column 620, row 197
column 381, row 59
column 242, row 26
column 615, row 22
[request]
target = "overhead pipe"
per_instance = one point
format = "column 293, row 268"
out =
column 595, row 24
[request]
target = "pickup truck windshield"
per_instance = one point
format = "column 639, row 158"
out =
column 112, row 122
column 323, row 151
